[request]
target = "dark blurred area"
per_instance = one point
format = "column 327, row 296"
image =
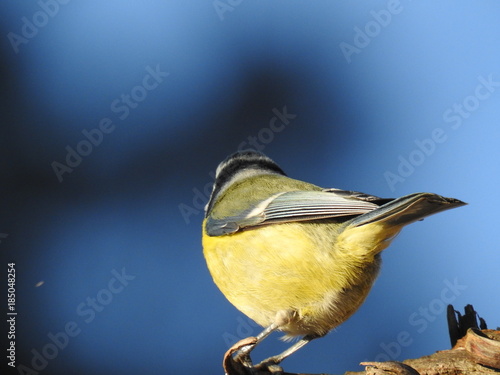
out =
column 114, row 117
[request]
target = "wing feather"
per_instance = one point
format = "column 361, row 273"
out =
column 296, row 206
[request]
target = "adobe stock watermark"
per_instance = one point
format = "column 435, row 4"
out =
column 420, row 320
column 259, row 142
column 38, row 20
column 455, row 115
column 223, row 6
column 87, row 312
column 372, row 28
column 245, row 328
column 121, row 107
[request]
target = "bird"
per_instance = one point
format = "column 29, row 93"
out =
column 295, row 257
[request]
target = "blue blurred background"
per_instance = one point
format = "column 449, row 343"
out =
column 114, row 115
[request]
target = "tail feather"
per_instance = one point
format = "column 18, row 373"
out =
column 407, row 209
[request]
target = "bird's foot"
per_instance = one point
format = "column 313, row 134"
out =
column 237, row 359
column 269, row 366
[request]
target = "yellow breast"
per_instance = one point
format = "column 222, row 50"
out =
column 294, row 267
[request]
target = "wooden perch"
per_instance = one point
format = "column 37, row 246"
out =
column 475, row 351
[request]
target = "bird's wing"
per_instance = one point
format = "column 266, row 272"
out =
column 296, row 206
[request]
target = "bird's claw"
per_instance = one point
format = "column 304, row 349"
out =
column 269, row 366
column 237, row 359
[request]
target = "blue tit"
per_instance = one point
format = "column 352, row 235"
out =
column 295, row 257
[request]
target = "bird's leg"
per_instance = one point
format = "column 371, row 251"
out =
column 243, row 354
column 274, row 360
